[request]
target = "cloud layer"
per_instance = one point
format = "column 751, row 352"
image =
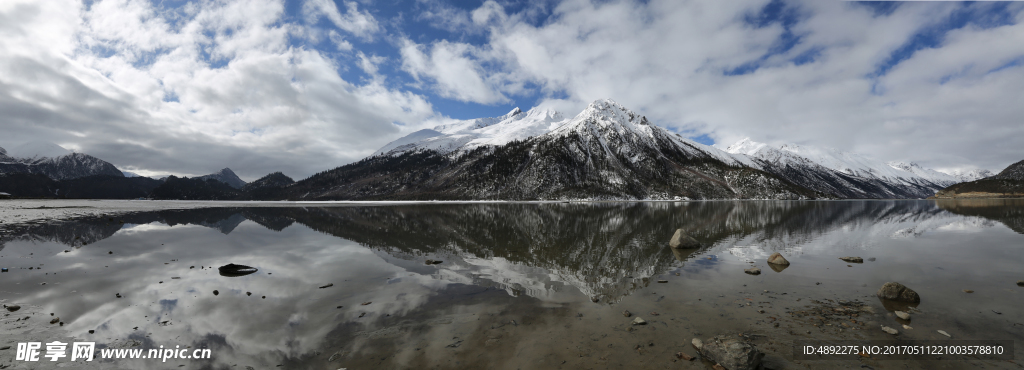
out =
column 260, row 87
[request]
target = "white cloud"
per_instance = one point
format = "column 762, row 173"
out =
column 454, row 68
column 358, row 23
column 189, row 91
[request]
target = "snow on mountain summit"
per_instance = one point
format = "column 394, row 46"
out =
column 471, row 134
column 38, row 149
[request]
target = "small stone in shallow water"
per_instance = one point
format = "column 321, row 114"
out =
column 944, row 333
column 852, row 259
column 890, row 330
column 902, row 315
column 968, row 291
column 905, row 326
column 216, row 292
column 753, row 271
column 682, row 241
column 1019, row 282
column 365, row 303
column 626, row 313
column 662, row 281
column 898, row 292
column 777, row 259
column 639, row 321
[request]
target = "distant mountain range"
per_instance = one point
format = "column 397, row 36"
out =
column 53, row 161
column 1007, row 184
column 605, row 152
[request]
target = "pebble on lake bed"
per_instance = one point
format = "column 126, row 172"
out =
column 639, row 321
column 890, row 330
column 852, row 259
column 968, row 291
column 753, row 271
column 626, row 313
column 1019, row 282
column 944, row 333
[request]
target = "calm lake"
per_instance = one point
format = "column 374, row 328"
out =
column 518, row 285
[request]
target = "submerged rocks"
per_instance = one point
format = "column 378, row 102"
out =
column 682, row 241
column 12, row 307
column 898, row 292
column 729, row 352
column 944, row 333
column 890, row 330
column 777, row 259
column 626, row 313
column 639, row 321
column 1020, row 282
column 233, row 270
column 852, row 259
column 753, row 271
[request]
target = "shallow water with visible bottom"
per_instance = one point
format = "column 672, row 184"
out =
column 513, row 285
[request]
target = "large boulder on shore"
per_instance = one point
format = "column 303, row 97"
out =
column 898, row 292
column 682, row 241
column 730, row 352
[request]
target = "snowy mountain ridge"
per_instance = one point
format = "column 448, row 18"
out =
column 54, row 161
column 467, row 135
column 833, row 170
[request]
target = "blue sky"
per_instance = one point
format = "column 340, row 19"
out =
column 189, row 87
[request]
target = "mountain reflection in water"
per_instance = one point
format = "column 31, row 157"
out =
column 512, row 258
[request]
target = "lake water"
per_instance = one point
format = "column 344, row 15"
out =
column 532, row 285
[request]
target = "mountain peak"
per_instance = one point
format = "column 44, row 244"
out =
column 226, row 176
column 38, row 149
column 745, row 146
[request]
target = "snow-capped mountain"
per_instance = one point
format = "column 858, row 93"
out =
column 470, row 134
column 846, row 174
column 226, row 176
column 53, row 161
column 967, row 176
column 605, row 152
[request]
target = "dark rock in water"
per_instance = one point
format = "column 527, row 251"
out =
column 433, row 262
column 3, row 269
column 626, row 313
column 852, row 259
column 55, row 320
column 777, row 259
column 898, row 292
column 216, row 292
column 1019, row 282
column 248, row 293
column 233, row 270
column 730, row 352
column 682, row 241
column 118, row 295
column 327, row 286
column 92, row 331
column 753, row 271
column 12, row 307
